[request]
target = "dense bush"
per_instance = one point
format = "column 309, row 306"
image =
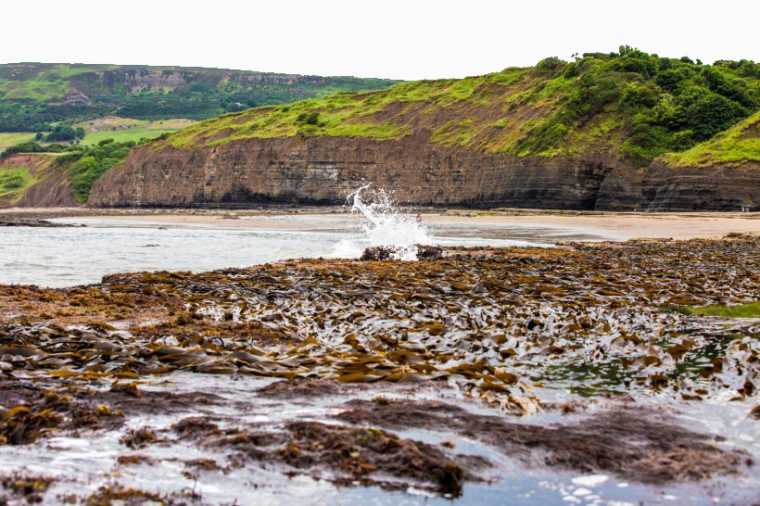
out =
column 92, row 163
column 24, row 147
column 65, row 133
column 662, row 104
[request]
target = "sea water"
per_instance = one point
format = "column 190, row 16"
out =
column 57, row 257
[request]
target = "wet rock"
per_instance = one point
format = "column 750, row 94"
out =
column 29, row 222
column 378, row 253
column 429, row 253
column 139, row 438
column 361, row 452
column 301, row 388
column 496, row 325
column 30, row 488
column 637, row 445
column 117, row 494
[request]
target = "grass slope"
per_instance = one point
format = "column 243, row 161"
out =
column 735, row 146
column 13, row 183
column 628, row 105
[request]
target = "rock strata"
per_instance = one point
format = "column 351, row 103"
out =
column 325, row 170
column 310, row 170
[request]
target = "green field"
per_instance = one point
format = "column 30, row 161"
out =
column 8, row 139
column 118, row 129
column 124, row 135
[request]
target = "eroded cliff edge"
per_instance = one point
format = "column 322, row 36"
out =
column 38, row 182
column 318, row 170
column 303, row 170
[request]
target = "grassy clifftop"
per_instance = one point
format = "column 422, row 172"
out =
column 738, row 144
column 630, row 105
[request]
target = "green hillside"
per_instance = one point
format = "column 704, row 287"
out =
column 33, row 96
column 628, row 105
column 80, row 165
column 738, row 144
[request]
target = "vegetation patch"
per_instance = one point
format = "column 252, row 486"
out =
column 751, row 310
column 14, row 181
column 737, row 145
column 89, row 164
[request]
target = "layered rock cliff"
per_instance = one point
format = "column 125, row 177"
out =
column 313, row 170
column 251, row 172
column 721, row 187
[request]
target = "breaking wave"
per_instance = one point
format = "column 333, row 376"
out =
column 382, row 223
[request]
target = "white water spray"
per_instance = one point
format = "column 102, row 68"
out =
column 382, row 224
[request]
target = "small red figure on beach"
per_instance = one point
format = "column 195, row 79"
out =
column 419, row 219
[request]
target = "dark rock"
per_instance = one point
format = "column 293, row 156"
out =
column 429, row 253
column 378, row 253
column 28, row 222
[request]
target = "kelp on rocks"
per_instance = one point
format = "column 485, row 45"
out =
column 500, row 325
column 496, row 322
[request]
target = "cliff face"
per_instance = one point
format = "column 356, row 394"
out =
column 49, row 186
column 325, row 170
column 720, row 187
column 576, row 135
column 249, row 172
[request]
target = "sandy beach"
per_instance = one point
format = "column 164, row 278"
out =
column 614, row 226
column 633, row 226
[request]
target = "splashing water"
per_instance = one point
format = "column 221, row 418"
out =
column 382, row 225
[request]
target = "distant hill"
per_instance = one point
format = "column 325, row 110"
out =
column 33, row 96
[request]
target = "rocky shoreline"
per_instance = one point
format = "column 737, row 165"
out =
column 30, row 222
column 449, row 377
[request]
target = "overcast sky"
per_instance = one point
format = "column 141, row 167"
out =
column 402, row 39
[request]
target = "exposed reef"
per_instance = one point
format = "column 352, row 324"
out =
column 447, row 375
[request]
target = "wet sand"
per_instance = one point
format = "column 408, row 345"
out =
column 622, row 227
column 612, row 226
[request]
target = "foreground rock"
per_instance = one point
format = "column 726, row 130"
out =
column 478, row 371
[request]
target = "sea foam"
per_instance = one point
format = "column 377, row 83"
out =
column 381, row 223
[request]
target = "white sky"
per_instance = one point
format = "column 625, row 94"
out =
column 402, row 39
